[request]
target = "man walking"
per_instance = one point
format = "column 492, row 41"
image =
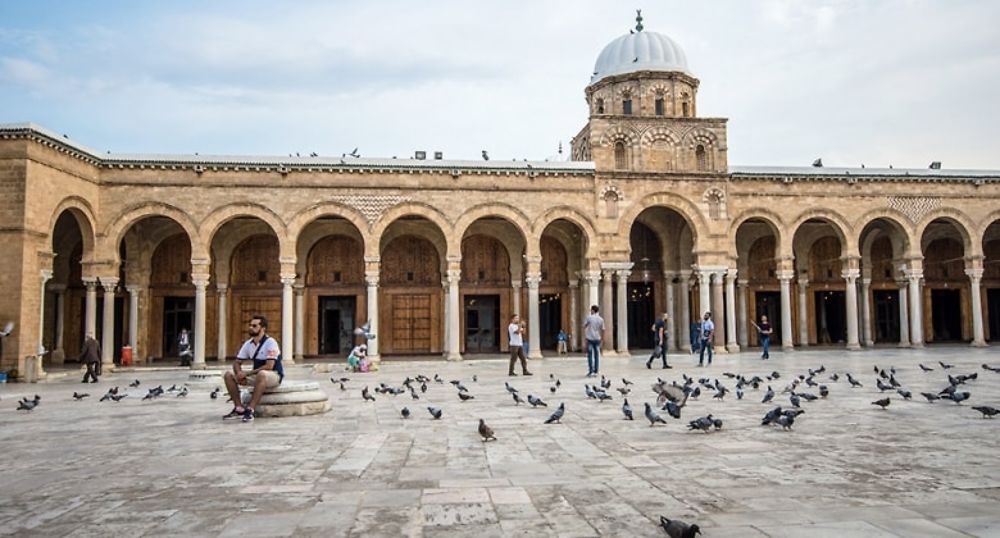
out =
column 659, row 342
column 184, row 350
column 91, row 356
column 707, row 333
column 764, row 331
column 266, row 373
column 594, row 332
column 516, row 342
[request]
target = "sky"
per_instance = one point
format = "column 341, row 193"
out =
column 875, row 82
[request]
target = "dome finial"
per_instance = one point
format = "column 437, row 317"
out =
column 638, row 20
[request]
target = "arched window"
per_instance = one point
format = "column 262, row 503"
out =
column 627, row 106
column 684, row 109
column 611, row 204
column 658, row 105
column 600, row 106
column 701, row 157
column 620, row 162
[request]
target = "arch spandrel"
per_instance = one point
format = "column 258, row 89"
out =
column 842, row 229
column 211, row 224
column 417, row 209
column 121, row 224
column 307, row 216
column 504, row 211
column 681, row 205
column 772, row 219
column 960, row 220
column 896, row 220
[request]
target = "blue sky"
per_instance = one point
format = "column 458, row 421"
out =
column 900, row 82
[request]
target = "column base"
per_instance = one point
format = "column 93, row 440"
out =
column 535, row 356
column 453, row 356
column 733, row 348
column 915, row 345
column 787, row 348
column 622, row 354
column 869, row 343
column 298, row 357
column 199, row 366
column 853, row 347
column 290, row 360
column 976, row 343
column 903, row 344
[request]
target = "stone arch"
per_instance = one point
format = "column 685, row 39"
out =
column 84, row 216
column 504, row 211
column 771, row 218
column 984, row 226
column 572, row 215
column 327, row 209
column 618, row 133
column 687, row 210
column 896, row 220
column 210, row 226
column 121, row 224
column 660, row 134
column 701, row 136
column 840, row 226
column 378, row 228
column 957, row 218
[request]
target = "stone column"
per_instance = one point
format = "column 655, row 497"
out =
column 593, row 280
column 975, row 279
column 704, row 300
column 866, row 312
column 731, row 345
column 904, row 316
column 447, row 316
column 454, row 331
column 58, row 355
column 371, row 282
column 668, row 288
column 742, row 332
column 916, row 307
column 803, row 311
column 574, row 319
column 287, row 318
column 200, row 281
column 718, row 311
column 222, row 292
column 851, row 305
column 684, row 288
column 300, row 320
column 45, row 275
column 785, row 280
column 607, row 312
column 90, row 316
column 133, row 320
column 534, row 342
column 108, row 329
column 516, row 296
column 622, row 305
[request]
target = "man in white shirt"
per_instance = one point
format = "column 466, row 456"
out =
column 267, row 371
column 707, row 335
column 516, row 342
column 594, row 331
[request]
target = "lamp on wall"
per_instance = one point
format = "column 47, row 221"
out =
column 647, row 276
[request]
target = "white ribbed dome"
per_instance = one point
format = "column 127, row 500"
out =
column 640, row 51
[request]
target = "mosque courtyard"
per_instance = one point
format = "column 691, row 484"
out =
column 171, row 466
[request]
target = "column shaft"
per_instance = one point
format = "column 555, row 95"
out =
column 90, row 317
column 851, row 306
column 60, row 323
column 108, row 329
column 574, row 332
column 684, row 325
column 372, row 280
column 866, row 312
column 133, row 320
column 287, row 319
column 607, row 312
column 975, row 280
column 222, row 290
column 200, row 282
column 534, row 342
column 454, row 330
column 622, row 305
column 742, row 331
column 718, row 311
column 785, row 281
column 916, row 309
column 904, row 317
column 731, row 345
column 803, row 312
column 300, row 321
column 671, row 310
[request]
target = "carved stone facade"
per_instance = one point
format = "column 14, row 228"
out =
column 648, row 218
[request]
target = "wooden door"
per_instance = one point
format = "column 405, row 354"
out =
column 411, row 323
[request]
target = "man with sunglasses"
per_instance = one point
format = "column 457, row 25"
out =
column 266, row 373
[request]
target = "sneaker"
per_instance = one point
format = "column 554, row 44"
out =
column 649, row 364
column 248, row 415
column 233, row 414
column 511, row 374
column 667, row 367
column 527, row 373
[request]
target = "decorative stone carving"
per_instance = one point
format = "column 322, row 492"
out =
column 914, row 207
column 372, row 206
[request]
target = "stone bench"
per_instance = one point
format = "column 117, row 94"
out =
column 291, row 398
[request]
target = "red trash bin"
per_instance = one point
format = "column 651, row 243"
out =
column 127, row 356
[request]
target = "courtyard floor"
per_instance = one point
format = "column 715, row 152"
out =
column 171, row 466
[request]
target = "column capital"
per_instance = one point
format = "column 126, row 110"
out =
column 222, row 288
column 866, row 281
column 803, row 282
column 454, row 276
column 90, row 282
column 299, row 288
column 371, row 278
column 589, row 276
column 57, row 288
column 516, row 284
column 109, row 283
column 850, row 274
column 372, row 259
column 614, row 266
column 743, row 282
column 623, row 274
column 200, row 280
column 732, row 273
column 975, row 273
column 684, row 276
column 533, row 280
column 287, row 279
column 913, row 273
column 133, row 289
column 785, row 275
column 46, row 275
column 574, row 283
column 851, row 262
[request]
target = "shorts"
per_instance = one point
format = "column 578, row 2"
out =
column 271, row 379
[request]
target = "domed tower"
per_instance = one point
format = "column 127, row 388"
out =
column 644, row 113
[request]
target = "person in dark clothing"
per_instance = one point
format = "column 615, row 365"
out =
column 91, row 356
column 185, row 343
column 764, row 331
column 659, row 342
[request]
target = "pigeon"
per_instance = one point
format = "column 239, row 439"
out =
column 605, row 383
column 517, row 399
column 991, row 368
column 590, row 393
column 366, row 395
column 342, row 387
column 893, row 382
column 946, row 366
column 720, row 395
column 882, row 387
column 739, row 394
column 626, row 382
column 366, row 329
column 930, row 396
column 134, row 384
column 627, row 410
column 552, row 389
column 854, row 382
column 771, row 416
column 423, row 386
column 602, row 396
column 77, row 396
column 486, row 432
column 717, row 423
column 652, row 417
column 29, row 405
column 461, row 388
column 769, row 395
column 465, row 396
column 794, row 399
column 413, row 394
column 924, row 368
column 786, row 421
column 678, row 529
column 118, row 397
column 215, row 393
column 437, row 379
column 558, row 383
column 905, row 394
column 987, row 411
column 535, row 401
column 557, row 415
column 173, row 388
column 405, row 412
column 703, row 423
column 510, row 389
column 823, row 391
column 434, row 411
column 808, row 396
column 672, row 409
column 108, row 395
column 883, row 403
column 959, row 397
column 696, row 392
column 475, row 378
column 183, row 393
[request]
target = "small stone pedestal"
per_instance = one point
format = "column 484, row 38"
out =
column 292, row 399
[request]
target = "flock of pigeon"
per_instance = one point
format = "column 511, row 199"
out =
column 671, row 397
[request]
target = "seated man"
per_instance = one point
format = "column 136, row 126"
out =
column 267, row 372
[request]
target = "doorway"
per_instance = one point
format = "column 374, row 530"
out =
column 993, row 308
column 946, row 315
column 641, row 314
column 178, row 313
column 336, row 324
column 482, row 323
column 831, row 317
column 549, row 319
column 768, row 303
column 886, row 304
